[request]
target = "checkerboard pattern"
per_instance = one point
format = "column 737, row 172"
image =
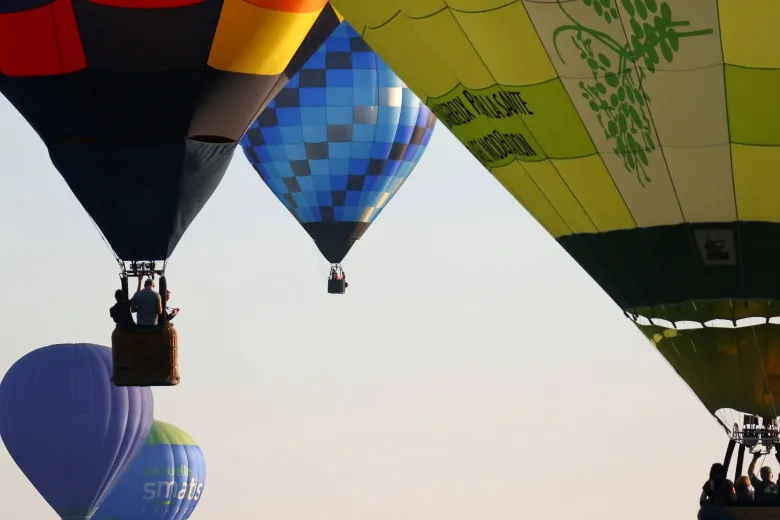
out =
column 342, row 137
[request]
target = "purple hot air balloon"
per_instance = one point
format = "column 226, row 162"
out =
column 68, row 428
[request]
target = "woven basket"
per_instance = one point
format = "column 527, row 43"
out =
column 145, row 357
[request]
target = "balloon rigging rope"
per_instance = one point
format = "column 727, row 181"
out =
column 105, row 241
column 116, row 256
column 763, row 370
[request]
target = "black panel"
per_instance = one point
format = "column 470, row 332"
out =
column 119, row 39
column 308, row 78
column 134, row 106
column 143, row 196
column 366, row 115
column 316, row 151
column 688, row 262
column 339, row 133
column 338, row 60
column 359, row 45
column 59, row 108
column 335, row 239
column 288, row 98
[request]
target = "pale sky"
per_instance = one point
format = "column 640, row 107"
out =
column 472, row 371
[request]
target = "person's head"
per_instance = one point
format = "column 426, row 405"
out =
column 149, row 284
column 744, row 488
column 119, row 295
column 716, row 471
column 766, row 474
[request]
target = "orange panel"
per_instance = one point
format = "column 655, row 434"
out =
column 147, row 4
column 41, row 42
column 291, row 6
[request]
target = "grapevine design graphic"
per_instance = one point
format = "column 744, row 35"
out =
column 615, row 95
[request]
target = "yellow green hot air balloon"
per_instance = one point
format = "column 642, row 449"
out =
column 645, row 136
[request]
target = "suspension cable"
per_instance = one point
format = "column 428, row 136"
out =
column 105, row 241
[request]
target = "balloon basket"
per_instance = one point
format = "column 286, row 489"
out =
column 747, row 512
column 145, row 357
column 337, row 286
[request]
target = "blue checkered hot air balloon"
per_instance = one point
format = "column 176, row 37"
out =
column 338, row 142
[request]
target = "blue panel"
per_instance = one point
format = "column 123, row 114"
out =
column 314, row 116
column 320, row 167
column 311, row 97
column 315, row 134
column 291, row 134
column 360, row 131
column 365, row 60
column 340, row 151
column 410, row 100
column 271, row 136
column 339, row 96
column 367, row 80
column 341, row 115
column 321, row 183
column 338, row 78
column 324, row 198
column 338, row 182
column 296, row 152
column 288, row 116
column 362, row 151
column 363, row 134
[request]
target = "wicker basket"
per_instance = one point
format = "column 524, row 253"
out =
column 145, row 357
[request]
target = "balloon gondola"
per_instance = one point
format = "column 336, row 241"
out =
column 141, row 105
column 338, row 142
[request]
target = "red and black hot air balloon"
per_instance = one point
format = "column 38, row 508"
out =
column 141, row 103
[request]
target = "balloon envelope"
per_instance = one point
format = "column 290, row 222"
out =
column 339, row 141
column 68, row 428
column 643, row 135
column 141, row 103
column 164, row 482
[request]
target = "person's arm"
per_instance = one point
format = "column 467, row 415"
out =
column 133, row 306
column 159, row 305
column 752, row 466
column 138, row 287
column 702, row 498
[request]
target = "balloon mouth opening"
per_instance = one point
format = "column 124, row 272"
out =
column 698, row 314
column 212, row 139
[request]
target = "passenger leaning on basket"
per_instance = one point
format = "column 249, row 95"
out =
column 146, row 304
column 175, row 311
column 718, row 491
column 120, row 312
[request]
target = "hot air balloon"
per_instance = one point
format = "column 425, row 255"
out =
column 141, row 104
column 69, row 430
column 338, row 142
column 164, row 482
column 643, row 135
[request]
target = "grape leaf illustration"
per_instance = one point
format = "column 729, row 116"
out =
column 615, row 93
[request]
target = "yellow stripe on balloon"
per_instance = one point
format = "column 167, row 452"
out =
column 255, row 40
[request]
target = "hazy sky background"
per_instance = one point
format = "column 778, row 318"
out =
column 473, row 370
